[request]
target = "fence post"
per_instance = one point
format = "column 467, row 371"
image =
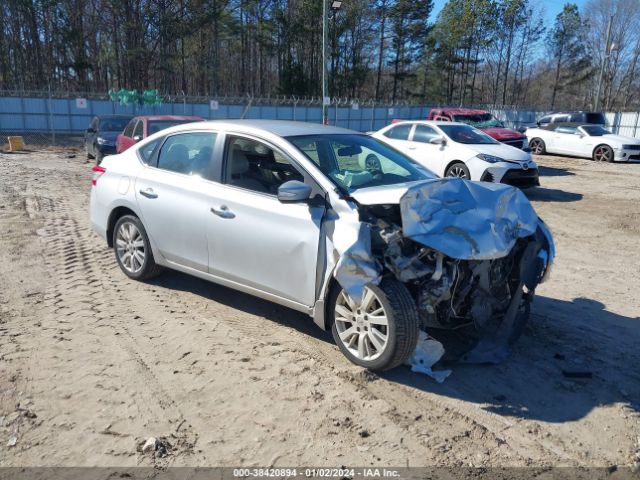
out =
column 51, row 125
column 635, row 127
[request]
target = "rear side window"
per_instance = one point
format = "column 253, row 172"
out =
column 424, row 134
column 146, row 151
column 188, row 153
column 128, row 131
column 561, row 118
column 401, row 132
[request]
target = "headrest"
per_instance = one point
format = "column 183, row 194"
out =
column 239, row 162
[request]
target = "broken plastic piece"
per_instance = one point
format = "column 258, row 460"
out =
column 428, row 351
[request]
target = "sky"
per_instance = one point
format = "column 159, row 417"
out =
column 551, row 7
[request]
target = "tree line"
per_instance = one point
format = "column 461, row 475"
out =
column 497, row 52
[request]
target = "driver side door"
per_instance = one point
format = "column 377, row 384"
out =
column 254, row 239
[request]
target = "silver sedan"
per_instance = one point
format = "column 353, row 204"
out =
column 332, row 223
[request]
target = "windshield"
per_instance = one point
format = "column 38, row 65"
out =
column 157, row 125
column 357, row 161
column 113, row 124
column 595, row 130
column 467, row 135
column 478, row 120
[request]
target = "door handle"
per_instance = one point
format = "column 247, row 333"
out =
column 412, row 147
column 149, row 193
column 223, row 212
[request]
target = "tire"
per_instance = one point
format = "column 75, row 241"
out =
column 131, row 246
column 99, row 156
column 537, row 146
column 459, row 170
column 89, row 156
column 398, row 310
column 603, row 153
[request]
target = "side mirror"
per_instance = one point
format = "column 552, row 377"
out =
column 137, row 138
column 438, row 141
column 293, row 191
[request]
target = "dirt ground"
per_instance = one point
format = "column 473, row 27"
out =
column 92, row 364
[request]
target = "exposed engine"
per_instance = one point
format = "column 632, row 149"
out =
column 484, row 300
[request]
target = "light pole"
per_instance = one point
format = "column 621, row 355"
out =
column 326, row 100
column 605, row 61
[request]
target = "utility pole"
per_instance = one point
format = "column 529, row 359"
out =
column 325, row 93
column 605, row 62
column 326, row 100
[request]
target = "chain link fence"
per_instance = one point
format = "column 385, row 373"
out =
column 45, row 118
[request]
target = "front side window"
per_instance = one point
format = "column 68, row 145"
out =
column 137, row 132
column 424, row 134
column 401, row 132
column 188, row 153
column 128, row 131
column 467, row 135
column 357, row 161
column 146, row 151
column 256, row 166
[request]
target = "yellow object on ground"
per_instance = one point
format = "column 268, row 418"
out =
column 15, row 143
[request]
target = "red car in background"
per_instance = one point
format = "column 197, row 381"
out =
column 143, row 126
column 484, row 121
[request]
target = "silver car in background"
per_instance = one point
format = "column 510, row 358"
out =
column 332, row 223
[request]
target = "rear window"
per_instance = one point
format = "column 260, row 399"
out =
column 596, row 118
column 113, row 124
column 157, row 125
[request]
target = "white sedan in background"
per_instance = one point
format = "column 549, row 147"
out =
column 587, row 141
column 451, row 149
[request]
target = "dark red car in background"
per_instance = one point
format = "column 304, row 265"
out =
column 143, row 126
column 484, row 121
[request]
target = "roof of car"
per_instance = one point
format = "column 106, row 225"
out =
column 114, row 116
column 168, row 117
column 552, row 126
column 428, row 122
column 462, row 111
column 282, row 128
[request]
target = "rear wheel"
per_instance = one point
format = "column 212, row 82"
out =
column 132, row 249
column 459, row 170
column 537, row 146
column 382, row 331
column 603, row 153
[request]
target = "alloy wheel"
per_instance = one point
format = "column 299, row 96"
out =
column 363, row 329
column 457, row 172
column 602, row 154
column 536, row 147
column 130, row 247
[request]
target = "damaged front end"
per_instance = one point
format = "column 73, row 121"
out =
column 470, row 254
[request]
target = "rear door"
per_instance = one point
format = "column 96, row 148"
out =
column 173, row 198
column 398, row 136
column 254, row 239
column 425, row 153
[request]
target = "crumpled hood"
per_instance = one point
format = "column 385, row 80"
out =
column 467, row 220
column 501, row 133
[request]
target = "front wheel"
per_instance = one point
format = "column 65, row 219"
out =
column 382, row 331
column 99, row 156
column 459, row 170
column 603, row 153
column 133, row 250
column 537, row 146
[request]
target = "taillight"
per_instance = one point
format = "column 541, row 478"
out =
column 97, row 173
